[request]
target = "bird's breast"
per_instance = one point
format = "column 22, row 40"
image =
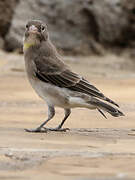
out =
column 50, row 93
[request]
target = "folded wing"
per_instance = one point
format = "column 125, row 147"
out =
column 70, row 80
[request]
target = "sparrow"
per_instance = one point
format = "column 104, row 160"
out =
column 55, row 82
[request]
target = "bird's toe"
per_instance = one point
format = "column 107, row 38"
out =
column 37, row 130
column 57, row 129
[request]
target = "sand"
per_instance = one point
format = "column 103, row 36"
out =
column 94, row 149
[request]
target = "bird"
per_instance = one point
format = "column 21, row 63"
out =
column 55, row 82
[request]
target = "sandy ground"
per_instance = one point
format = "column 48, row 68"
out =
column 93, row 149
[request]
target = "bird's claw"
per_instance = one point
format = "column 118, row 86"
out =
column 57, row 129
column 45, row 130
column 37, row 130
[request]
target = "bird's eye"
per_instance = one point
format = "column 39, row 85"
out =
column 27, row 26
column 42, row 28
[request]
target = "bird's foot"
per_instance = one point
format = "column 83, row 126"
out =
column 37, row 130
column 45, row 130
column 57, row 129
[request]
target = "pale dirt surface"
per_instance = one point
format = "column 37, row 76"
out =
column 94, row 148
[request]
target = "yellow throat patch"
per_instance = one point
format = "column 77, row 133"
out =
column 27, row 46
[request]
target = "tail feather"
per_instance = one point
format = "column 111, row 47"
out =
column 110, row 101
column 102, row 113
column 106, row 107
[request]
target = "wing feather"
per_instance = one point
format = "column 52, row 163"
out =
column 72, row 81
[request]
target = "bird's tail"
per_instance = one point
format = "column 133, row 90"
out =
column 105, row 107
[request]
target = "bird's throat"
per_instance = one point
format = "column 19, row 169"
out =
column 27, row 45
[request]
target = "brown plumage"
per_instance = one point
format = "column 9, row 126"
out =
column 54, row 81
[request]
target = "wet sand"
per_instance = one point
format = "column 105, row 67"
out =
column 95, row 148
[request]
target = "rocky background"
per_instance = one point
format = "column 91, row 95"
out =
column 76, row 27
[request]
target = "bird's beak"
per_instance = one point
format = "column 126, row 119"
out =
column 33, row 29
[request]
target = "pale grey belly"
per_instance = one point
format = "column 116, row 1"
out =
column 60, row 97
column 51, row 94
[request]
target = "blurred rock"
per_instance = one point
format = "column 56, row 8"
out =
column 7, row 8
column 1, row 43
column 129, row 9
column 79, row 26
column 71, row 29
column 110, row 20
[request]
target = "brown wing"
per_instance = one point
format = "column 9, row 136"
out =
column 68, row 79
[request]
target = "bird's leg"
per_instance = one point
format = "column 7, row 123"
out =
column 51, row 113
column 59, row 128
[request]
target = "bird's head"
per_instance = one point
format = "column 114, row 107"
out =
column 35, row 33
